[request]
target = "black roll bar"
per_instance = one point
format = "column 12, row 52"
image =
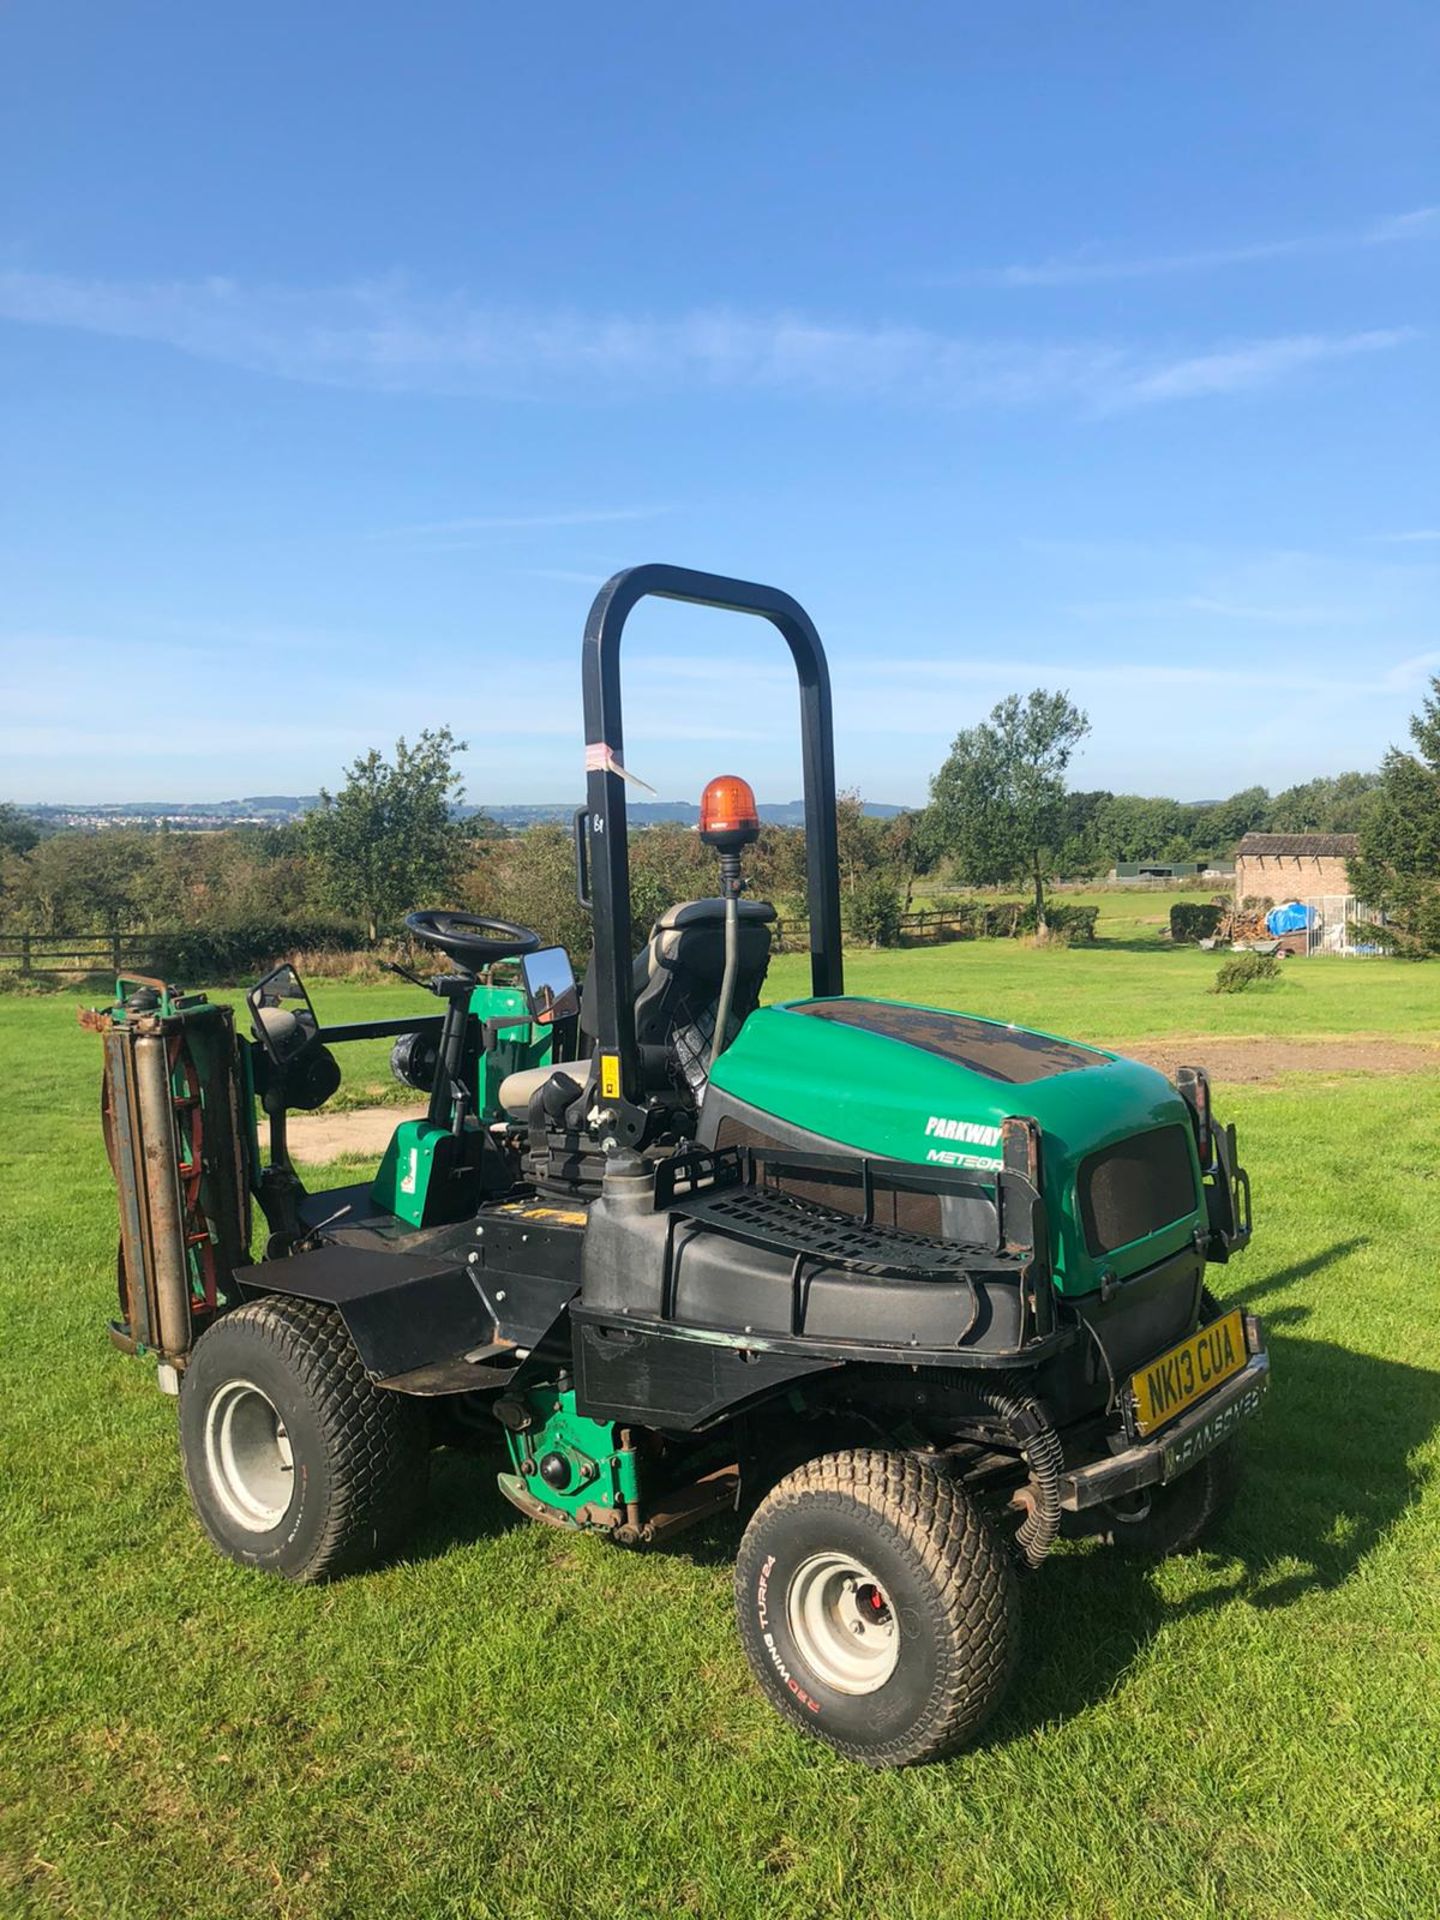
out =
column 609, row 987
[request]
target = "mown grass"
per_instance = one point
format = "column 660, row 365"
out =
column 1126, row 913
column 517, row 1723
column 1132, row 985
column 1117, row 991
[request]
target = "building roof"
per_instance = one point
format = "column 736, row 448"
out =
column 1305, row 846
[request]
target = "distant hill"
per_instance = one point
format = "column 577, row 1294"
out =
column 193, row 816
column 277, row 809
column 654, row 813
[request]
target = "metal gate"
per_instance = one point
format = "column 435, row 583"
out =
column 1337, row 924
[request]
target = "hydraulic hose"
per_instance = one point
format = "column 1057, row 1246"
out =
column 1041, row 1450
column 1027, row 1426
column 727, row 980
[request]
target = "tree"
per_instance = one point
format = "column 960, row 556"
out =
column 1228, row 821
column 18, row 832
column 1082, row 852
column 480, row 826
column 999, row 799
column 85, row 882
column 1398, row 867
column 873, row 910
column 776, row 866
column 1335, row 803
column 1131, row 826
column 668, row 863
column 908, row 850
column 858, row 840
column 529, row 877
column 389, row 839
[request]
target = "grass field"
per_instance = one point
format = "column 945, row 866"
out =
column 518, row 1723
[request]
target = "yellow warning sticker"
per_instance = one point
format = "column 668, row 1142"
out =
column 609, row 1076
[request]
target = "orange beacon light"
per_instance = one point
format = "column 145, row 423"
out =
column 729, row 818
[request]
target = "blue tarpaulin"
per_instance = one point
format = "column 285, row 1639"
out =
column 1291, row 918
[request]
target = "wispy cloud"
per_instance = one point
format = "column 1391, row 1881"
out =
column 381, row 336
column 1403, row 226
column 1416, row 537
column 572, row 576
column 866, row 681
column 43, row 677
column 1252, row 363
column 1217, row 607
column 522, row 522
column 1398, row 677
column 1088, row 265
column 1414, row 672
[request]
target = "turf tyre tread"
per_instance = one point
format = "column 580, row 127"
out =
column 375, row 1444
column 964, row 1581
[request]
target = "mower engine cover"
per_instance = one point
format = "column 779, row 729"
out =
column 1119, row 1164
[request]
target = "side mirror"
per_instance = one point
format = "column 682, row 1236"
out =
column 281, row 1015
column 550, row 987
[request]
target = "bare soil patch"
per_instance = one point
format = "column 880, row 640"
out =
column 1251, row 1062
column 325, row 1136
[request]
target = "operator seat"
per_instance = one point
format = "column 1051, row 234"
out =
column 676, row 982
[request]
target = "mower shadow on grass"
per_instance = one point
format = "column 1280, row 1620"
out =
column 1300, row 1270
column 465, row 1504
column 1330, row 1471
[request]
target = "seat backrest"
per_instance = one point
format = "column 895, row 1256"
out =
column 677, row 982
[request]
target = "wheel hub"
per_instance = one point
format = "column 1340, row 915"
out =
column 842, row 1623
column 248, row 1456
column 1131, row 1509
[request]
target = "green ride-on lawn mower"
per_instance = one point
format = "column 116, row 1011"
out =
column 912, row 1291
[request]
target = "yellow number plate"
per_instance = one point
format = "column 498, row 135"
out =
column 1188, row 1372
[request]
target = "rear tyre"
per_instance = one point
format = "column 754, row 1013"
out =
column 1162, row 1521
column 877, row 1609
column 296, row 1463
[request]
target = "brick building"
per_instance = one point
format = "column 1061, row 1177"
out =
column 1293, row 866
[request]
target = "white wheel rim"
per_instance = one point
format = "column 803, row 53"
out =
column 842, row 1623
column 248, row 1456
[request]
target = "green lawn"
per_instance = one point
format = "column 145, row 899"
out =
column 518, row 1723
column 1130, row 985
column 1117, row 991
column 1126, row 913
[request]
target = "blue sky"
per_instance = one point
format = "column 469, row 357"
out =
column 347, row 348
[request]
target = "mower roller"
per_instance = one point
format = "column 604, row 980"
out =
column 911, row 1292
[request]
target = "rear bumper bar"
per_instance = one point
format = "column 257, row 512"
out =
column 1151, row 1463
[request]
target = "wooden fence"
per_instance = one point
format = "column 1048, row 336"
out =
column 29, row 953
column 73, row 952
column 793, row 936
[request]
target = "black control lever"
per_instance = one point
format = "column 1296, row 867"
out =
column 389, row 966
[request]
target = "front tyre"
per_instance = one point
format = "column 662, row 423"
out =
column 295, row 1462
column 877, row 1609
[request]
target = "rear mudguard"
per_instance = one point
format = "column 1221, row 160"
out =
column 427, row 1323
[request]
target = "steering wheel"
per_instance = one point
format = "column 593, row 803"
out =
column 469, row 939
